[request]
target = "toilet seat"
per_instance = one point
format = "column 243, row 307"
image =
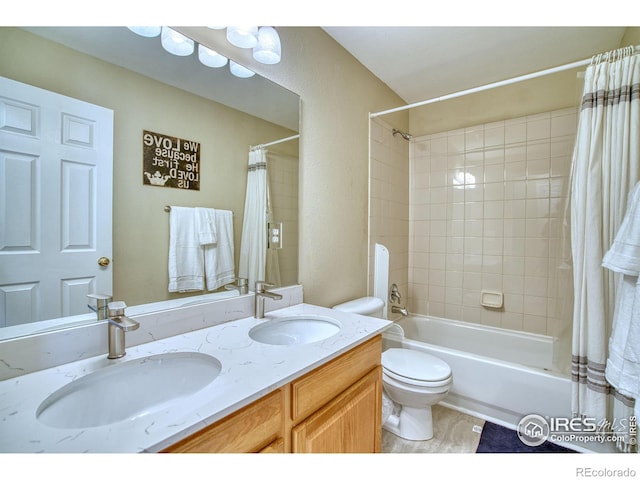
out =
column 415, row 368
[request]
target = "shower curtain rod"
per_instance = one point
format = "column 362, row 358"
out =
column 489, row 86
column 293, row 137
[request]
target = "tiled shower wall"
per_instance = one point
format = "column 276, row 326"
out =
column 486, row 208
column 283, row 180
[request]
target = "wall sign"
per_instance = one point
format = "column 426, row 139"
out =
column 170, row 161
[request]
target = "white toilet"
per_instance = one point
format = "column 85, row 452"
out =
column 412, row 380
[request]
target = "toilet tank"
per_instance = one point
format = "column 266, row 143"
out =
column 371, row 306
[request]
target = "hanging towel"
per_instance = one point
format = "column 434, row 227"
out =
column 186, row 260
column 206, row 225
column 624, row 254
column 219, row 257
column 623, row 364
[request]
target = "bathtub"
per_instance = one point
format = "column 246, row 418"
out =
column 498, row 375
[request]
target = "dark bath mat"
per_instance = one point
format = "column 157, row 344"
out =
column 499, row 439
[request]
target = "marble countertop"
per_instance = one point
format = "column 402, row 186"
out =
column 249, row 371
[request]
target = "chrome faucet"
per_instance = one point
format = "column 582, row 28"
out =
column 260, row 295
column 241, row 285
column 118, row 324
column 101, row 302
column 401, row 310
column 394, row 294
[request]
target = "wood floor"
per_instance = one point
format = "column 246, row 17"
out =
column 453, row 432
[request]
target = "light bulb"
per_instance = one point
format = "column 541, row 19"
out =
column 211, row 58
column 268, row 49
column 240, row 71
column 243, row 37
column 146, row 31
column 176, row 43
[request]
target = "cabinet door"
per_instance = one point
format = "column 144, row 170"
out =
column 351, row 423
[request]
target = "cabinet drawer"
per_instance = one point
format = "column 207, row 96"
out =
column 313, row 390
column 247, row 430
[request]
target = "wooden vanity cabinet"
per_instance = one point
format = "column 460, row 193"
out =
column 254, row 428
column 336, row 408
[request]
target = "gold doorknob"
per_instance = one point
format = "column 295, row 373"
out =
column 103, row 261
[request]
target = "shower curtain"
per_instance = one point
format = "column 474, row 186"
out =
column 257, row 263
column 253, row 244
column 606, row 164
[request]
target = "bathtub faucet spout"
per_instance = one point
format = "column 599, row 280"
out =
column 401, row 310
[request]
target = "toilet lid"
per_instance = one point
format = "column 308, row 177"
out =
column 415, row 365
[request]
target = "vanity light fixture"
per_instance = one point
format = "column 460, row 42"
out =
column 265, row 42
column 176, row 43
column 211, row 58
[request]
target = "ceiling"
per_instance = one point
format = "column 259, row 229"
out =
column 420, row 63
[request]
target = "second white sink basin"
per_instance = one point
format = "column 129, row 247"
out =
column 128, row 390
column 295, row 330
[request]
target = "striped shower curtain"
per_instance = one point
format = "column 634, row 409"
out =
column 253, row 243
column 606, row 166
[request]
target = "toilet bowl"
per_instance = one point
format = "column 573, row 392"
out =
column 412, row 380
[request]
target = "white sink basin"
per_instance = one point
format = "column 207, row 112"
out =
column 296, row 330
column 128, row 390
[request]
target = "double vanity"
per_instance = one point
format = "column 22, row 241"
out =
column 302, row 379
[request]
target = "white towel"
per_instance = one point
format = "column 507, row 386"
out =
column 219, row 257
column 623, row 364
column 624, row 254
column 206, row 225
column 186, row 260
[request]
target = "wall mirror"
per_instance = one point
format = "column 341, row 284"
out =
column 150, row 89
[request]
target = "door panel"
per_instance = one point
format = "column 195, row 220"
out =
column 56, row 167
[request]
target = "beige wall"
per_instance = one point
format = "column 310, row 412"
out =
column 551, row 92
column 337, row 95
column 140, row 223
column 631, row 37
column 543, row 94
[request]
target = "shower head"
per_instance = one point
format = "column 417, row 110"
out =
column 405, row 135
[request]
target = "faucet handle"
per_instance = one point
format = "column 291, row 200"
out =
column 261, row 285
column 116, row 309
column 102, row 300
